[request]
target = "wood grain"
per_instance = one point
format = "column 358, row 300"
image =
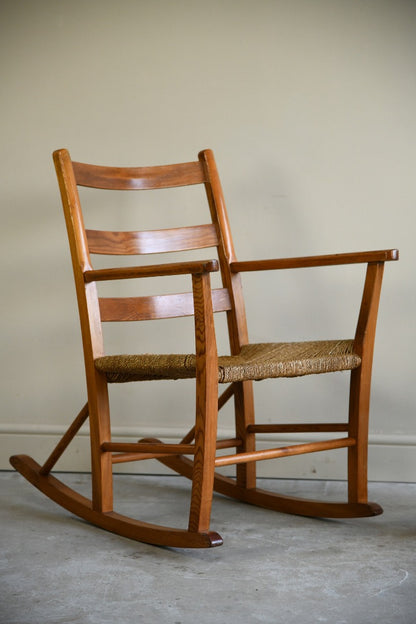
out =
column 284, row 451
column 151, row 270
column 138, row 178
column 152, row 241
column 157, row 306
column 360, row 257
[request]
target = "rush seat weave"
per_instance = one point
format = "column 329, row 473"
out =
column 255, row 361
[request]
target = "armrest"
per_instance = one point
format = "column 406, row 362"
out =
column 195, row 267
column 314, row 261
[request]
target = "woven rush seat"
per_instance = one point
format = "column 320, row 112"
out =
column 255, row 361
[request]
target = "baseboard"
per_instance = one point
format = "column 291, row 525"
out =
column 391, row 457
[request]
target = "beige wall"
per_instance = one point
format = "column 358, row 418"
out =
column 309, row 107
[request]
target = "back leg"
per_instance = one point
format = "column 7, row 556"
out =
column 358, row 429
column 100, row 432
column 244, row 416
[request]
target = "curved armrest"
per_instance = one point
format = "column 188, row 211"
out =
column 314, row 261
column 196, row 267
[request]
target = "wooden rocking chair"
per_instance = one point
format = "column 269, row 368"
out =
column 195, row 456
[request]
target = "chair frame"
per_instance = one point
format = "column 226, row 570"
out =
column 201, row 442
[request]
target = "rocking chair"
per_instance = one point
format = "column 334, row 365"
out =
column 195, row 455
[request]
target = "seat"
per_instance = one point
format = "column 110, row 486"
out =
column 196, row 456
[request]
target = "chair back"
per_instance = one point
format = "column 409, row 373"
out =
column 86, row 242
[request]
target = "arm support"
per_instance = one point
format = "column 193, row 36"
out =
column 196, row 267
column 315, row 261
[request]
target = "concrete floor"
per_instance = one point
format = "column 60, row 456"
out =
column 272, row 567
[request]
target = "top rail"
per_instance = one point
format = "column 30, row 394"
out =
column 138, row 178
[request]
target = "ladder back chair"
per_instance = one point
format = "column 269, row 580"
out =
column 195, row 456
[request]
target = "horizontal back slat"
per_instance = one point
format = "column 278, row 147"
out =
column 136, row 178
column 157, row 306
column 152, row 241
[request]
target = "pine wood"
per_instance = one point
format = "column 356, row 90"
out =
column 149, row 447
column 114, row 522
column 152, row 241
column 360, row 387
column 65, row 440
column 138, row 178
column 122, row 457
column 298, row 428
column 315, row 261
column 206, row 406
column 195, row 456
column 158, row 270
column 277, row 502
column 157, row 306
column 284, row 451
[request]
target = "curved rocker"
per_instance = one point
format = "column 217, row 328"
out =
column 111, row 521
column 277, row 502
